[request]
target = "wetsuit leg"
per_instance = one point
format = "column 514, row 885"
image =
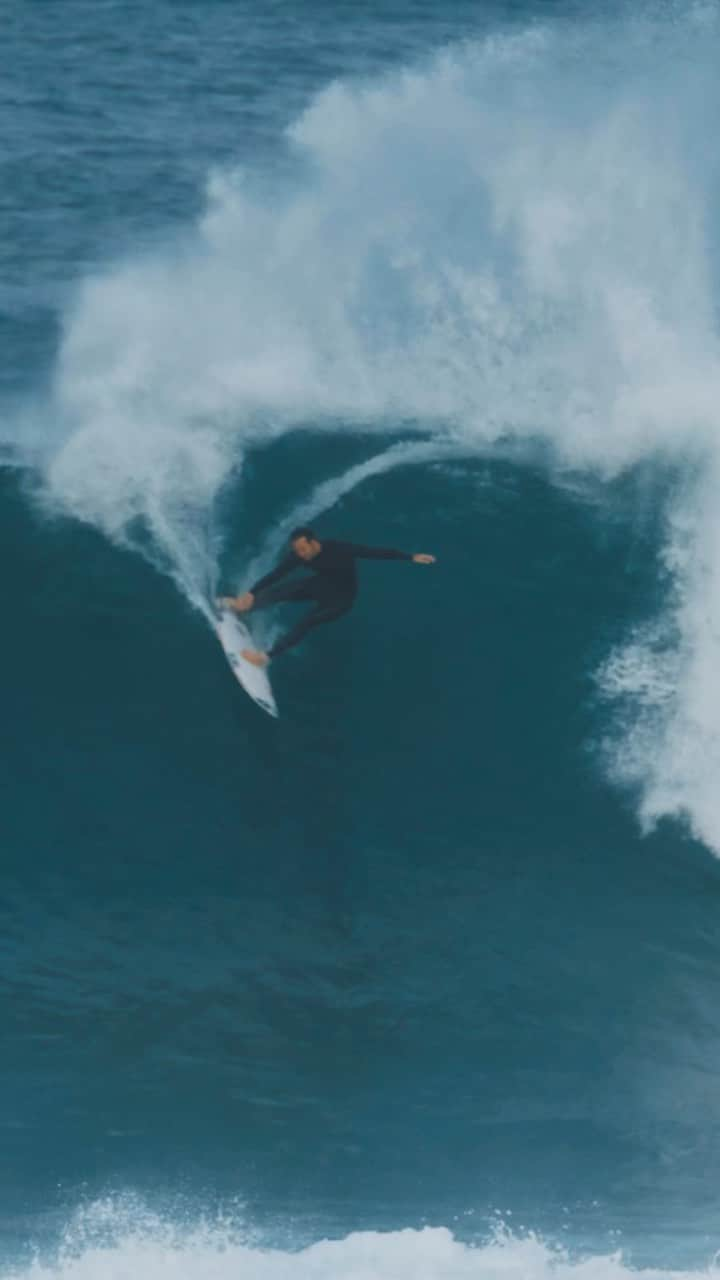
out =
column 327, row 611
column 287, row 593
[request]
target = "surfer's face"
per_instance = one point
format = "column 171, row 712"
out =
column 306, row 548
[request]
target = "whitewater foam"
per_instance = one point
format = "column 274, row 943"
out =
column 122, row 1240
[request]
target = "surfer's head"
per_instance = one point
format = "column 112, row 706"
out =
column 304, row 543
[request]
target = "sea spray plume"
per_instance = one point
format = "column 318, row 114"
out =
column 666, row 679
column 512, row 241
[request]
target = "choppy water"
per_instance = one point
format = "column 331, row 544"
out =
column 431, row 962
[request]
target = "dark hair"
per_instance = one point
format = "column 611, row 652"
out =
column 302, row 531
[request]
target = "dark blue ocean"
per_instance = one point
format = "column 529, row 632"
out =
column 420, row 981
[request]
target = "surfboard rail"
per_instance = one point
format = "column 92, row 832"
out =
column 234, row 636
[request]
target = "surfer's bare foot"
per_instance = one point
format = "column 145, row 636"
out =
column 255, row 656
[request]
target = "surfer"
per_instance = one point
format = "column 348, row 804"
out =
column 332, row 588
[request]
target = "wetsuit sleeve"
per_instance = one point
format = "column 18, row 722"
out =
column 377, row 553
column 286, row 565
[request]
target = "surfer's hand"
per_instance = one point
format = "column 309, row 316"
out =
column 240, row 604
column 421, row 558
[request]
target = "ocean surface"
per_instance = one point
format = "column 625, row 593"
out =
column 420, row 981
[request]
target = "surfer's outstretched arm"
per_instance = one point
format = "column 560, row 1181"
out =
column 376, row 553
column 388, row 553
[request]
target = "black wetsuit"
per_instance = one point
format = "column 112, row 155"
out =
column 333, row 585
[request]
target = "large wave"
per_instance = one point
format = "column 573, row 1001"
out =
column 513, row 241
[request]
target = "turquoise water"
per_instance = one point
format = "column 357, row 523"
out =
column 429, row 963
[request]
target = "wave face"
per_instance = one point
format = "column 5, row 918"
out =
column 511, row 241
column 440, row 944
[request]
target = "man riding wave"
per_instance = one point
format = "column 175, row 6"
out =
column 332, row 587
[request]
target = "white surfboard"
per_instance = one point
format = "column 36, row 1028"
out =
column 234, row 637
